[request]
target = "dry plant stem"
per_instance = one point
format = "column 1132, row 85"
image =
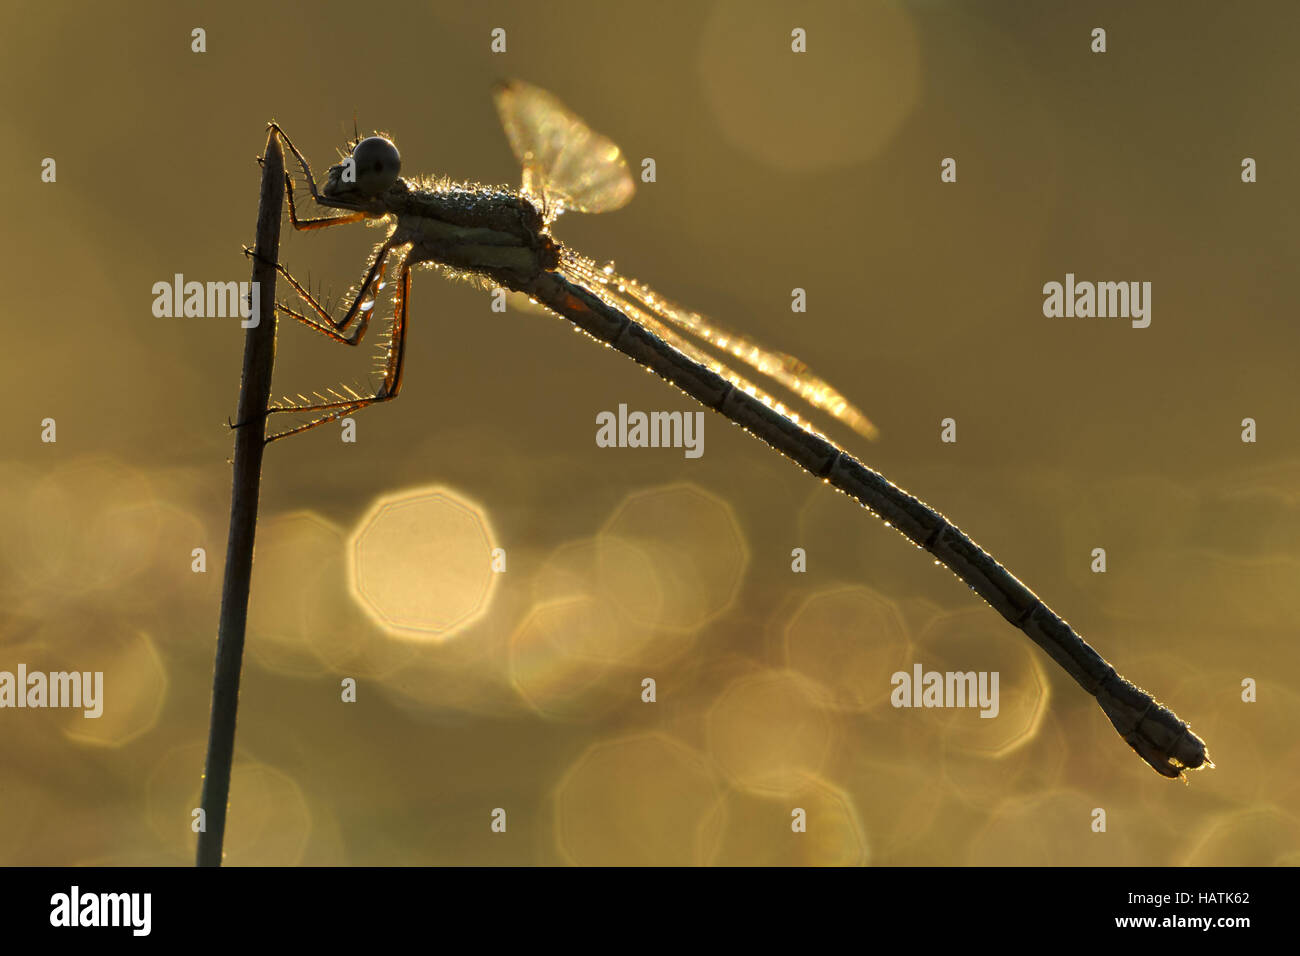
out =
column 250, row 442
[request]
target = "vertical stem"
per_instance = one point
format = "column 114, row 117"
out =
column 250, row 442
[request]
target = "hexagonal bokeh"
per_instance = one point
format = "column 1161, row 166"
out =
column 1254, row 835
column 851, row 639
column 86, row 524
column 974, row 640
column 556, row 662
column 620, row 574
column 604, row 616
column 269, row 823
column 638, row 801
column 134, row 690
column 109, row 669
column 421, row 563
column 759, row 830
column 770, row 730
column 697, row 547
column 781, row 113
column 303, row 619
column 1044, row 827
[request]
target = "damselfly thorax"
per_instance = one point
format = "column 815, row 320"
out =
column 490, row 231
column 494, row 232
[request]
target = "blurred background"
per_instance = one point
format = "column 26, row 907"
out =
column 521, row 690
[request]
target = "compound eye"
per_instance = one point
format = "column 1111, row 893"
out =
column 378, row 165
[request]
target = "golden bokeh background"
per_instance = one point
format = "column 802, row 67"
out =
column 522, row 690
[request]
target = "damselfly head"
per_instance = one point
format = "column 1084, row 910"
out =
column 373, row 166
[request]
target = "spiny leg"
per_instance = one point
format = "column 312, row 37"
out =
column 397, row 342
column 394, row 361
column 326, row 324
column 375, row 272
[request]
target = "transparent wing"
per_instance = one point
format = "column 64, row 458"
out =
column 566, row 164
column 667, row 320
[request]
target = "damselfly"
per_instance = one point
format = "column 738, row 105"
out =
column 502, row 238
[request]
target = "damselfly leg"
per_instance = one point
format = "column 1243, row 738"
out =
column 323, row 410
column 362, row 310
column 363, row 305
